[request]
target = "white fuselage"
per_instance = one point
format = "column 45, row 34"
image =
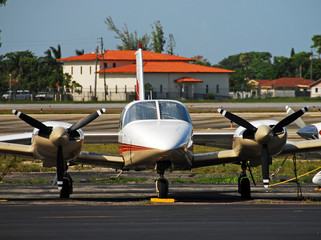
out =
column 157, row 134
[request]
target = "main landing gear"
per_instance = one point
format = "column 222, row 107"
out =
column 162, row 183
column 244, row 183
column 66, row 189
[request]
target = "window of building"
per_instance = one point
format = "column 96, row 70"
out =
column 114, row 65
column 80, row 70
column 206, row 89
column 316, row 90
column 105, row 65
column 90, row 70
column 217, row 88
column 72, row 70
column 161, row 88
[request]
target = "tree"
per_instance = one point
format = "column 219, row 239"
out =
column 79, row 52
column 200, row 60
column 158, row 40
column 3, row 2
column 130, row 41
column 317, row 43
column 292, row 52
column 301, row 63
column 171, row 44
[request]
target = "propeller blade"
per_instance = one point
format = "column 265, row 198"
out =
column 289, row 119
column 60, row 168
column 265, row 166
column 31, row 121
column 84, row 121
column 238, row 120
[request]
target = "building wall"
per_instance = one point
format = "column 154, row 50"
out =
column 119, row 84
column 316, row 90
column 81, row 72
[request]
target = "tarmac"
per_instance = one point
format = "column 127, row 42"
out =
column 133, row 193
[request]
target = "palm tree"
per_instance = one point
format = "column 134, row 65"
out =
column 80, row 52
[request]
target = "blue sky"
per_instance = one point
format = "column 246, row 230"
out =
column 214, row 29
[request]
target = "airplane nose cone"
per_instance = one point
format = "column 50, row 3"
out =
column 262, row 134
column 59, row 136
column 309, row 132
column 166, row 135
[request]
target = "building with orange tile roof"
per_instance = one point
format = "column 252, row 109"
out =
column 282, row 87
column 169, row 76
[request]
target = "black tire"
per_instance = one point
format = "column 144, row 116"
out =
column 245, row 189
column 162, row 188
column 66, row 188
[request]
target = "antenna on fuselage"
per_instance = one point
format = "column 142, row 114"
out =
column 140, row 74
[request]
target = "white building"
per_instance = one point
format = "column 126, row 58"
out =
column 168, row 76
column 315, row 89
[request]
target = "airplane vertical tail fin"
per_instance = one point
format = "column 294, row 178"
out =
column 140, row 74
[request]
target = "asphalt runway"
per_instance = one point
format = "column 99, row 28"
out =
column 113, row 211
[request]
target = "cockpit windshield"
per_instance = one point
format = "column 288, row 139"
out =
column 141, row 111
column 153, row 110
column 173, row 110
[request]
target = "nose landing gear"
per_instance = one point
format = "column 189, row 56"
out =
column 162, row 183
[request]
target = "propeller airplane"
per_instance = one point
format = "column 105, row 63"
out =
column 158, row 134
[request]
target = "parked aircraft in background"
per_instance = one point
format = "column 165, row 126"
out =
column 158, row 134
column 312, row 131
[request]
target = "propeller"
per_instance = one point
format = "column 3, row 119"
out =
column 59, row 136
column 84, row 121
column 289, row 119
column 263, row 134
column 32, row 122
column 238, row 120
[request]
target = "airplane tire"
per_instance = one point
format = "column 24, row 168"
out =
column 66, row 187
column 162, row 188
column 245, row 189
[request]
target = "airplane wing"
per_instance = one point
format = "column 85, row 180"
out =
column 100, row 159
column 101, row 138
column 21, row 138
column 302, row 146
column 214, row 158
column 90, row 138
column 88, row 158
column 214, row 139
column 17, row 149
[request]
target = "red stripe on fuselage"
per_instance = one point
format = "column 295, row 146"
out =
column 123, row 147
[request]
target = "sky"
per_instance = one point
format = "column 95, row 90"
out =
column 214, row 29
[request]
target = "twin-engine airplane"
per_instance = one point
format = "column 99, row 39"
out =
column 158, row 134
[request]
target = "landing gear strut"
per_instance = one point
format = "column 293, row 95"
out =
column 66, row 187
column 162, row 183
column 244, row 183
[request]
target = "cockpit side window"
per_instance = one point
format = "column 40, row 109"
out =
column 173, row 110
column 141, row 111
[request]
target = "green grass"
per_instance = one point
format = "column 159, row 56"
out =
column 227, row 173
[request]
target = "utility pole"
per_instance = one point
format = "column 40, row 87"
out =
column 311, row 59
column 95, row 87
column 102, row 54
